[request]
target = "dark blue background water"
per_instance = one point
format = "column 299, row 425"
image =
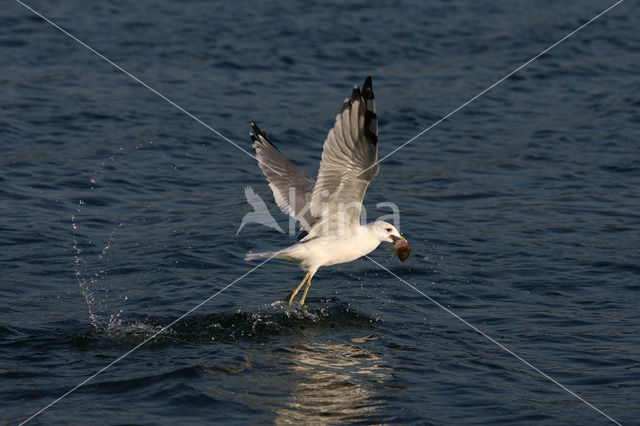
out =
column 118, row 213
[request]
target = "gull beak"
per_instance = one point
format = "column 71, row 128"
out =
column 395, row 238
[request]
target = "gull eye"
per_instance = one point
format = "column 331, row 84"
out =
column 388, row 229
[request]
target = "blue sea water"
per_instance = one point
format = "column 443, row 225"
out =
column 119, row 212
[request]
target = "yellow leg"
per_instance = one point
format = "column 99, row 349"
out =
column 306, row 289
column 293, row 295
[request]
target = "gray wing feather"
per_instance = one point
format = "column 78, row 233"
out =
column 348, row 164
column 291, row 187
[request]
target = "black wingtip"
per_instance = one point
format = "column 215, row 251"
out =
column 367, row 89
column 355, row 94
column 255, row 133
column 258, row 131
column 258, row 136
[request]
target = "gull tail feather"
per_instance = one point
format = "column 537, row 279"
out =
column 260, row 255
column 288, row 254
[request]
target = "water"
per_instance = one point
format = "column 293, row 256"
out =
column 119, row 214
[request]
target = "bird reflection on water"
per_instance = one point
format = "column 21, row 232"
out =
column 338, row 384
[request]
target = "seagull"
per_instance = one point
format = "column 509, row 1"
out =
column 328, row 209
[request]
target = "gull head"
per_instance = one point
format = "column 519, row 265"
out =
column 386, row 232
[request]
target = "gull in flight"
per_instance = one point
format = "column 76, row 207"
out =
column 329, row 209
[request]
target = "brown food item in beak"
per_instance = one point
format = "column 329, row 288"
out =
column 401, row 248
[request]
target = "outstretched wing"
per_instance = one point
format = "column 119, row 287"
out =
column 291, row 187
column 348, row 165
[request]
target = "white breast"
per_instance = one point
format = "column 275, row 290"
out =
column 331, row 250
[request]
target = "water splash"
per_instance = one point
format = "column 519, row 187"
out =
column 91, row 268
column 97, row 309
